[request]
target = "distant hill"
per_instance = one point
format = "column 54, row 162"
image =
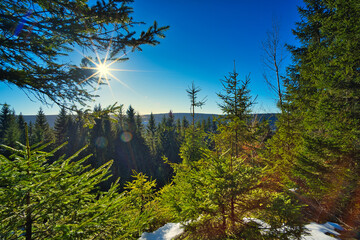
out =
column 159, row 116
column 271, row 117
column 32, row 118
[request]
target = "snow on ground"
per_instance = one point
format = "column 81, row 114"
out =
column 322, row 231
column 316, row 231
column 166, row 232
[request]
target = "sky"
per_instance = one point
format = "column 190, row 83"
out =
column 204, row 40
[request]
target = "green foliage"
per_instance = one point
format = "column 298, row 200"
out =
column 61, row 200
column 213, row 200
column 316, row 145
column 192, row 147
column 141, row 191
column 42, row 131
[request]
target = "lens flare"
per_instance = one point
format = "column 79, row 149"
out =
column 126, row 136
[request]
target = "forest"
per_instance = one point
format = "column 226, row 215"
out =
column 102, row 174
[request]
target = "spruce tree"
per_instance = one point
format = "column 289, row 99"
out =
column 61, row 126
column 316, row 136
column 236, row 106
column 193, row 95
column 12, row 133
column 5, row 116
column 151, row 135
column 21, row 124
column 42, row 131
column 40, row 199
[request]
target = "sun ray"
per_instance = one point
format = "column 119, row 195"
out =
column 88, row 77
column 102, row 67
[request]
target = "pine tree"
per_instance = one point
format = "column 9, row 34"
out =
column 169, row 141
column 130, row 120
column 184, row 124
column 21, row 124
column 42, row 131
column 5, row 117
column 12, row 133
column 61, row 126
column 205, row 195
column 151, row 135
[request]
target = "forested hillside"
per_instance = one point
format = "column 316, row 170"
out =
column 104, row 174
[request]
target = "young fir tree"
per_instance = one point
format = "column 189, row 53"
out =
column 193, row 95
column 191, row 148
column 220, row 190
column 61, row 200
column 184, row 124
column 236, row 107
column 169, row 140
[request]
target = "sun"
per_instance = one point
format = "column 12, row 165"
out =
column 103, row 69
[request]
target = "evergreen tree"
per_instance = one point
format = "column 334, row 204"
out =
column 193, row 95
column 61, row 126
column 21, row 124
column 151, row 135
column 139, row 125
column 130, row 123
column 12, row 133
column 316, row 136
column 236, row 106
column 61, row 200
column 184, row 124
column 217, row 202
column 169, row 141
column 5, row 117
column 42, row 131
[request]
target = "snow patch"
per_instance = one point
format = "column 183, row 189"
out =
column 315, row 231
column 166, row 232
column 322, row 231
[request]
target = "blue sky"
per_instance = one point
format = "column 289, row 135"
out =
column 204, row 39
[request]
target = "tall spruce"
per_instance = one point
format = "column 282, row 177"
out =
column 322, row 110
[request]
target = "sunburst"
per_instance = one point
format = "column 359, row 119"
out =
column 103, row 70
